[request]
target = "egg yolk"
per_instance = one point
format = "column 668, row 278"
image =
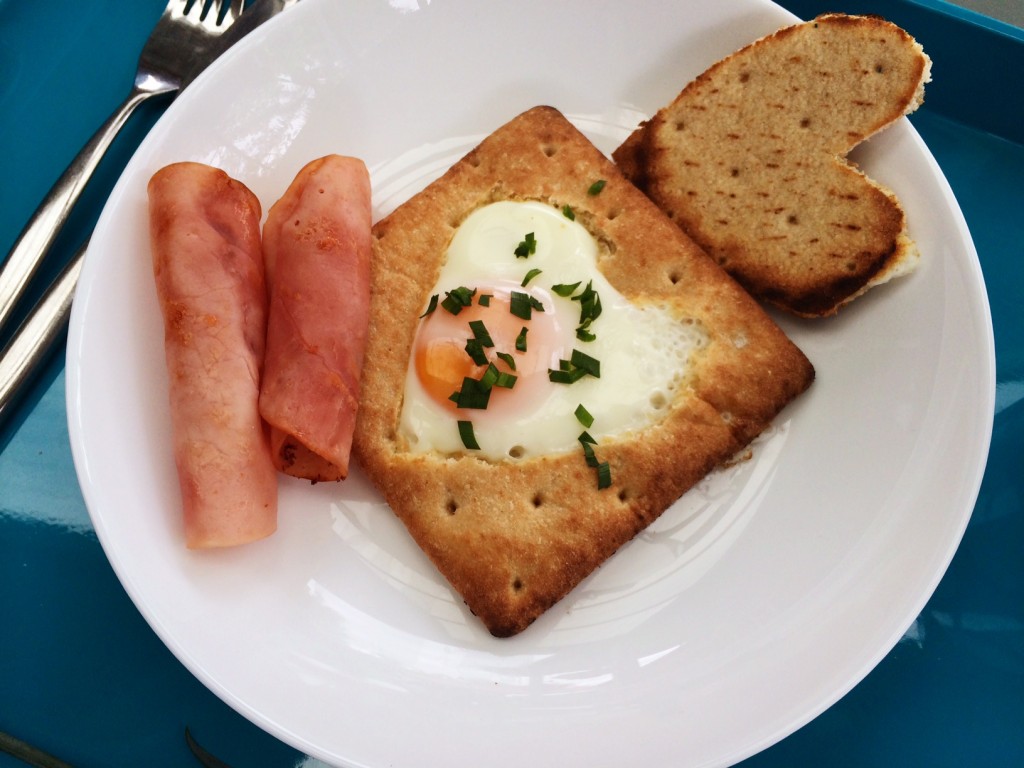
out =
column 442, row 361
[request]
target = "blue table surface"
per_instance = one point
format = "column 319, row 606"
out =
column 82, row 675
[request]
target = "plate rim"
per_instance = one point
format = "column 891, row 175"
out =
column 73, row 386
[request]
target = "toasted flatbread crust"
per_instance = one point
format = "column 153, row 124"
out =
column 749, row 160
column 514, row 537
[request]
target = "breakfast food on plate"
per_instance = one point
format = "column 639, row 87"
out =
column 316, row 243
column 749, row 160
column 208, row 267
column 551, row 364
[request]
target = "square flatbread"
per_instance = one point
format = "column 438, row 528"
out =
column 513, row 537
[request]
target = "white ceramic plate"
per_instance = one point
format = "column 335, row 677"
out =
column 754, row 603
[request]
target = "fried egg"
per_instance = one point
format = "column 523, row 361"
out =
column 515, row 299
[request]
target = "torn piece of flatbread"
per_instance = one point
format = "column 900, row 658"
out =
column 750, row 160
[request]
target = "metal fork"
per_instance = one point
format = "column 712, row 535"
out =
column 45, row 325
column 181, row 45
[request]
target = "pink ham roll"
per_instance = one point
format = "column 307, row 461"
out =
column 316, row 243
column 208, row 265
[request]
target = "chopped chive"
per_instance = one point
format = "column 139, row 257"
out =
column 585, row 362
column 569, row 213
column 480, row 333
column 485, row 299
column 565, row 290
column 522, row 305
column 521, row 340
column 596, row 187
column 431, row 306
column 526, row 247
column 458, row 299
column 563, row 376
column 472, row 395
column 583, row 416
column 466, row 433
column 476, row 351
column 508, row 360
column 490, row 376
column 506, row 380
column 529, row 276
column 575, row 368
column 590, row 310
column 588, row 443
column 604, row 470
column 590, row 304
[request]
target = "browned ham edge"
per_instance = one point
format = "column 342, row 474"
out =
column 316, row 243
column 209, row 271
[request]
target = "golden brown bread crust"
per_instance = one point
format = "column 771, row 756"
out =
column 514, row 537
column 749, row 159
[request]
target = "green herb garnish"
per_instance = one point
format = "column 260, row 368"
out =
column 490, row 377
column 431, row 306
column 588, row 444
column 521, row 340
column 529, row 276
column 458, row 299
column 604, row 470
column 526, row 247
column 476, row 351
column 508, row 360
column 565, row 290
column 468, row 438
column 596, row 187
column 569, row 213
column 575, row 368
column 473, row 394
column 480, row 333
column 583, row 416
column 522, row 305
column 590, row 305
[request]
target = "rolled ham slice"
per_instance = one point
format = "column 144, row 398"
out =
column 209, row 270
column 316, row 244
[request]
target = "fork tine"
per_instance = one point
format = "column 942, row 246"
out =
column 219, row 14
column 222, row 12
column 237, row 6
column 193, row 10
column 176, row 8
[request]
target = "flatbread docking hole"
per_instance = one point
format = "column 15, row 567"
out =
column 537, row 223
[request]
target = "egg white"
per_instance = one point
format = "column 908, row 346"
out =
column 644, row 351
